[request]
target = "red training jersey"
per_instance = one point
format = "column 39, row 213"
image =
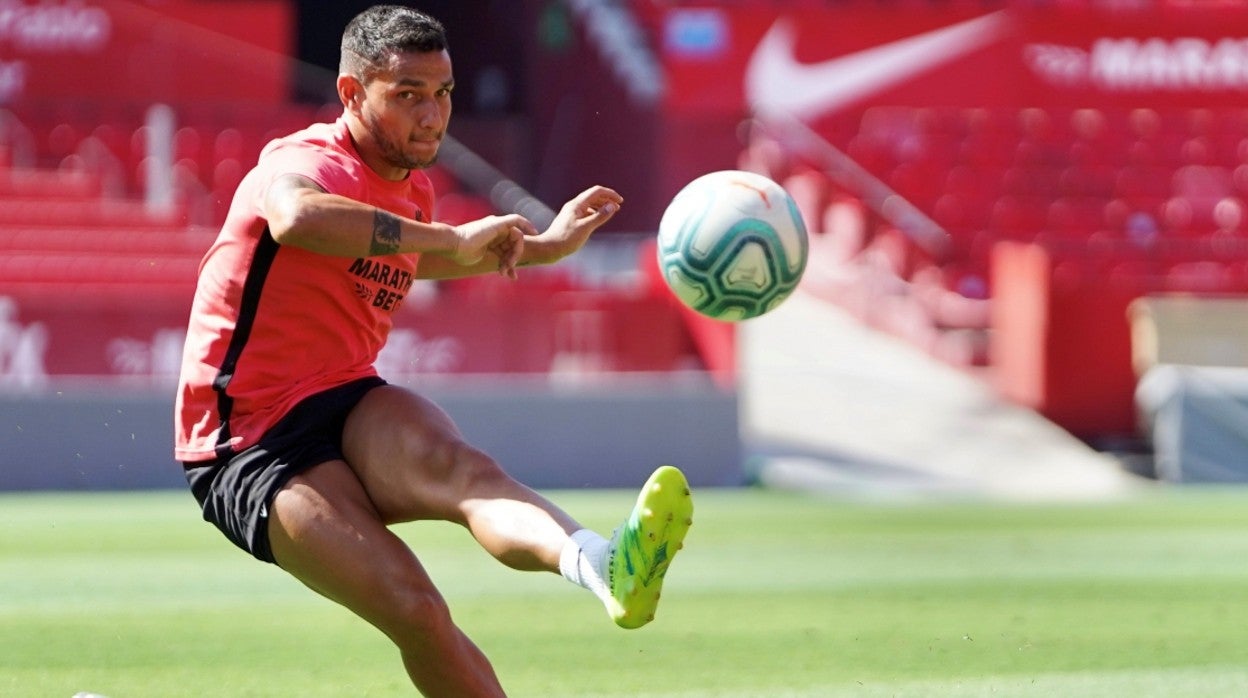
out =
column 270, row 324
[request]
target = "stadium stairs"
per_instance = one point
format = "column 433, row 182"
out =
column 831, row 405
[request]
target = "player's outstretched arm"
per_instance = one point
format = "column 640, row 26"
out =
column 301, row 214
column 573, row 225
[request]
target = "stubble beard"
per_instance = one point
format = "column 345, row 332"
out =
column 394, row 155
column 392, row 151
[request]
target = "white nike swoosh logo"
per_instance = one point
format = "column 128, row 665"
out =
column 776, row 82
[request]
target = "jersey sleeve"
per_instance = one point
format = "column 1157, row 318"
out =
column 334, row 174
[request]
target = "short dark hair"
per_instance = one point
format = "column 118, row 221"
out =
column 382, row 30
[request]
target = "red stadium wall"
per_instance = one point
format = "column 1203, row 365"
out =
column 174, row 51
column 1062, row 333
column 1062, row 342
column 1013, row 57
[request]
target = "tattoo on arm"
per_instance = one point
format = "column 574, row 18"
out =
column 385, row 234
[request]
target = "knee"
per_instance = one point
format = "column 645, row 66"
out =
column 419, row 618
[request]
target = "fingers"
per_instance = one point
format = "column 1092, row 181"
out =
column 578, row 219
column 509, row 249
column 603, row 193
column 501, row 237
column 598, row 201
column 603, row 210
column 593, row 207
column 519, row 222
column 507, row 243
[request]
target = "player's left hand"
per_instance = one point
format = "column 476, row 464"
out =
column 578, row 219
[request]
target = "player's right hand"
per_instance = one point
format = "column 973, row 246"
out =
column 500, row 236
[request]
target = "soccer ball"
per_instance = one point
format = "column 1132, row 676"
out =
column 732, row 245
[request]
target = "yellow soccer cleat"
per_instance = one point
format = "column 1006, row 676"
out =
column 644, row 546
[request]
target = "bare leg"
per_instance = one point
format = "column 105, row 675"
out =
column 414, row 465
column 326, row 532
column 521, row 533
column 406, row 461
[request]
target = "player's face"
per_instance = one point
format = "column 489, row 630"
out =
column 405, row 111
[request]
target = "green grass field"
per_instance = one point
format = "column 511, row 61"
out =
column 777, row 594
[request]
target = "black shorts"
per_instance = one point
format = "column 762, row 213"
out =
column 235, row 491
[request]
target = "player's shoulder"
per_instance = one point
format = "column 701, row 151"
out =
column 323, row 137
column 321, row 149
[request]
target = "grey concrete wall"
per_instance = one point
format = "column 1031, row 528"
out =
column 549, row 436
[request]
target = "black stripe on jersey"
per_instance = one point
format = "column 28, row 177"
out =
column 253, row 286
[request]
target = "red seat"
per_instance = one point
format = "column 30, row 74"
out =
column 58, row 184
column 86, row 213
column 1088, row 180
column 100, row 240
column 918, row 182
column 1018, row 217
column 1143, row 183
column 1038, row 180
column 1076, row 217
column 1204, row 276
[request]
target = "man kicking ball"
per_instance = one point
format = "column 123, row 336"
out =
column 295, row 447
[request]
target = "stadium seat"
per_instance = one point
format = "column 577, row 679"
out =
column 187, row 143
column 97, row 240
column 1206, row 276
column 954, row 213
column 1228, row 216
column 229, row 144
column 1075, row 218
column 1088, row 179
column 1018, row 217
column 972, row 185
column 87, row 213
column 1143, row 184
column 61, row 184
column 1034, row 180
column 919, row 181
column 988, row 149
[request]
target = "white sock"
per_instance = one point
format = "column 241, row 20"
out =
column 583, row 561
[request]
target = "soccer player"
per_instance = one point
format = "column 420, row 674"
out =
column 294, row 446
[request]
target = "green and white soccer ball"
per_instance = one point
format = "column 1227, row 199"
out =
column 732, row 245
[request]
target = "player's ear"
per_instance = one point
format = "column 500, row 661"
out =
column 350, row 92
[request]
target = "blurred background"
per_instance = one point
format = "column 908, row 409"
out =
column 1028, row 260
